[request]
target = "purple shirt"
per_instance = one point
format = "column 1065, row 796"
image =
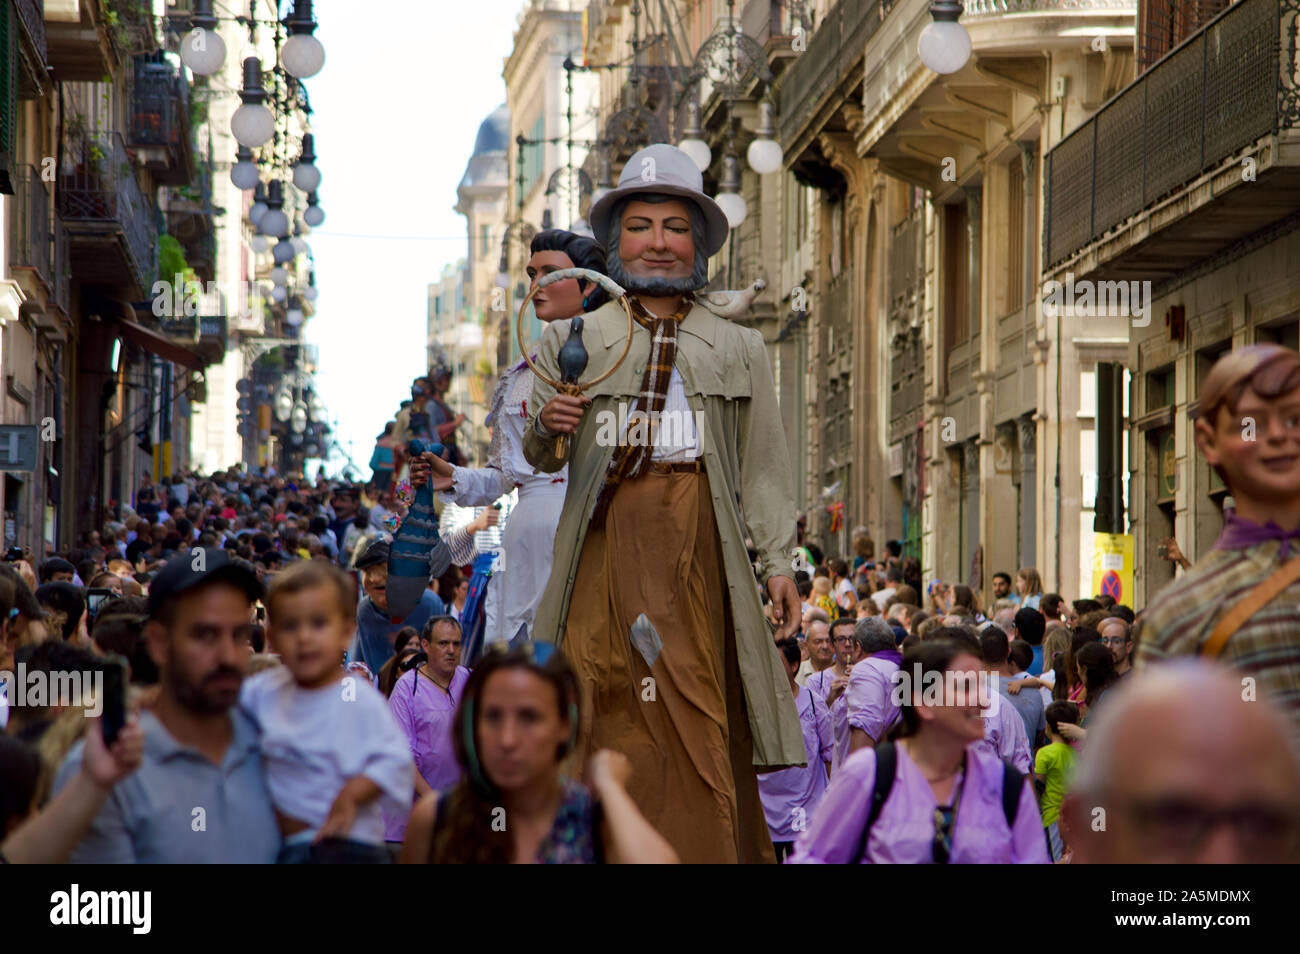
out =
column 424, row 713
column 1004, row 735
column 790, row 796
column 820, row 683
column 904, row 832
column 870, row 695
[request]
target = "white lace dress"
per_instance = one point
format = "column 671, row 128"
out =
column 523, row 564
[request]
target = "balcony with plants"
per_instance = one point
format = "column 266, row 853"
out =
column 111, row 224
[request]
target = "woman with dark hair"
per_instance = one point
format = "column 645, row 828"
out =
column 1096, row 668
column 932, row 794
column 1074, row 685
column 520, row 575
column 515, row 726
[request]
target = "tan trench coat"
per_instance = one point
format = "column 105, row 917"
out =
column 727, row 377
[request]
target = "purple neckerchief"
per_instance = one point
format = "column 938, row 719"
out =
column 1240, row 533
column 890, row 655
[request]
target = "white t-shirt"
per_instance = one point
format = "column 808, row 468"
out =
column 314, row 740
column 1048, row 676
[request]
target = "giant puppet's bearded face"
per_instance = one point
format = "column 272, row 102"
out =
column 655, row 246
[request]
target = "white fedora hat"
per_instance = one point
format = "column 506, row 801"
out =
column 662, row 168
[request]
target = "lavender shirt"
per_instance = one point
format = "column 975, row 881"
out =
column 870, row 692
column 904, row 832
column 790, row 796
column 424, row 713
column 820, row 683
column 1004, row 735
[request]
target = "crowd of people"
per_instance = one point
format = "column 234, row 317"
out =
column 634, row 655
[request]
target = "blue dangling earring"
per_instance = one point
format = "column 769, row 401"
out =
column 586, row 301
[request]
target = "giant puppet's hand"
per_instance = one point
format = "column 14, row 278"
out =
column 563, row 413
column 785, row 605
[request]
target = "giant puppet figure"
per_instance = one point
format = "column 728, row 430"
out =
column 1241, row 601
column 672, row 461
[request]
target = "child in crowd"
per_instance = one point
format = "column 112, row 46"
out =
column 334, row 757
column 821, row 596
column 1052, row 767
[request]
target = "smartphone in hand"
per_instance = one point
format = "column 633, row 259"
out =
column 113, row 717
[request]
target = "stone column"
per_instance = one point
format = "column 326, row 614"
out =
column 1028, row 490
column 970, row 507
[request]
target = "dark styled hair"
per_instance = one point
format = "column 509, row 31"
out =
column 1030, row 625
column 1058, row 712
column 994, row 645
column 464, row 832
column 1080, row 638
column 584, row 252
column 1098, row 670
column 1021, row 654
column 63, row 598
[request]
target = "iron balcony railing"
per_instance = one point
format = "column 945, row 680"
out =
column 31, row 14
column 1219, row 91
column 103, row 191
column 975, row 9
column 836, row 44
column 29, row 225
column 159, row 105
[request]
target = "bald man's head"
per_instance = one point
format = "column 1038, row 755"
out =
column 1180, row 768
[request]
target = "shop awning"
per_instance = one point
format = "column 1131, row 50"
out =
column 156, row 343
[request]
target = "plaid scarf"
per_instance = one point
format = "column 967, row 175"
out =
column 631, row 461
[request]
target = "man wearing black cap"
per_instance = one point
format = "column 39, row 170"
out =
column 200, row 794
column 375, row 628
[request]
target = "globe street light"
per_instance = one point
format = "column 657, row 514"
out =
column 314, row 215
column 202, row 49
column 305, row 174
column 275, row 222
column 302, row 54
column 244, row 172
column 729, row 199
column 764, row 153
column 252, row 124
column 693, row 145
column 258, row 208
column 944, row 44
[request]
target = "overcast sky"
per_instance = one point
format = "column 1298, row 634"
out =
column 396, row 109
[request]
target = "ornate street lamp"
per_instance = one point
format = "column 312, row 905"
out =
column 305, row 174
column 202, row 49
column 302, row 55
column 252, row 124
column 944, row 44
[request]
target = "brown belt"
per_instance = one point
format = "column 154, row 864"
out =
column 677, row 467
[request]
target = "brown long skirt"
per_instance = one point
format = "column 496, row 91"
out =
column 680, row 718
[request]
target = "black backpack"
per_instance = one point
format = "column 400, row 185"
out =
column 887, row 767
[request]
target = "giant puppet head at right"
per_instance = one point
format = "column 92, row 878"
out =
column 1248, row 429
